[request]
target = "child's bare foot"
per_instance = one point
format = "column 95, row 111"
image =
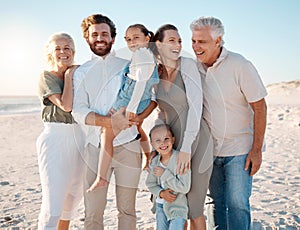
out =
column 146, row 167
column 149, row 157
column 99, row 182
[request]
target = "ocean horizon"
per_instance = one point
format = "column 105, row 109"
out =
column 18, row 104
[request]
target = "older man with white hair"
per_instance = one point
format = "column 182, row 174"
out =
column 235, row 109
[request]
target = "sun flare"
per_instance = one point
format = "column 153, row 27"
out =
column 21, row 61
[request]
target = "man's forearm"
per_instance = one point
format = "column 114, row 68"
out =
column 260, row 121
column 98, row 120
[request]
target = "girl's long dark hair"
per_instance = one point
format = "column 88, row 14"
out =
column 144, row 30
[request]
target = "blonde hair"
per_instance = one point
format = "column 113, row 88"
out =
column 49, row 50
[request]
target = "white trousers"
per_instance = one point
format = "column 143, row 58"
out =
column 60, row 158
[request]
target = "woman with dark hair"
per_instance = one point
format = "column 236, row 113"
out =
column 179, row 98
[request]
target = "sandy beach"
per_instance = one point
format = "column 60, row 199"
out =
column 275, row 199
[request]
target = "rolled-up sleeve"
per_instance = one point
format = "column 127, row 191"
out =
column 251, row 83
column 136, row 96
column 143, row 72
column 81, row 106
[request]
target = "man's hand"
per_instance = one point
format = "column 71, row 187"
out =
column 167, row 195
column 254, row 159
column 111, row 111
column 119, row 121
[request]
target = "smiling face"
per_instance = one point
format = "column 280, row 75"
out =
column 205, row 47
column 62, row 53
column 162, row 140
column 170, row 47
column 100, row 39
column 135, row 39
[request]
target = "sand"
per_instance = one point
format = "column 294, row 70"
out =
column 275, row 199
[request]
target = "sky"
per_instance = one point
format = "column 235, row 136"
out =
column 266, row 32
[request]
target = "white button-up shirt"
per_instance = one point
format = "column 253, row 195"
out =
column 96, row 86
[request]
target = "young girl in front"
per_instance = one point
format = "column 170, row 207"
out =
column 135, row 94
column 168, row 187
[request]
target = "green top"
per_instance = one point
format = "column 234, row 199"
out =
column 49, row 85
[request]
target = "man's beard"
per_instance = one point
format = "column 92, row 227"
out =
column 103, row 51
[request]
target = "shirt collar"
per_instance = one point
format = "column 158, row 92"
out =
column 107, row 57
column 203, row 69
column 223, row 55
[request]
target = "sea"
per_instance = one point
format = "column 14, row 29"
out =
column 19, row 105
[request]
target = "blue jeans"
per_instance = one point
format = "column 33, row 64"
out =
column 163, row 224
column 230, row 189
column 127, row 88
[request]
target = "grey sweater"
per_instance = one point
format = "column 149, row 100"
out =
column 180, row 184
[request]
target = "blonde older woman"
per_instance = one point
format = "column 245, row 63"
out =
column 59, row 146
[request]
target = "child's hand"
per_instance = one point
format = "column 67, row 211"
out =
column 130, row 116
column 137, row 119
column 168, row 195
column 158, row 171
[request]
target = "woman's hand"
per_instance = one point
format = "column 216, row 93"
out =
column 183, row 162
column 70, row 71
